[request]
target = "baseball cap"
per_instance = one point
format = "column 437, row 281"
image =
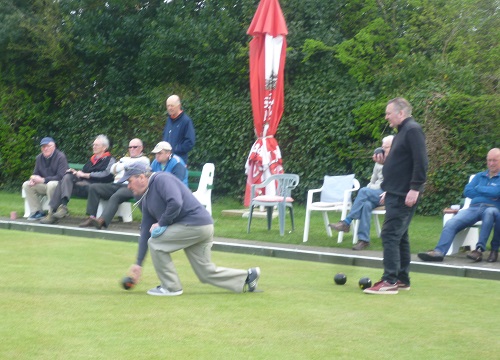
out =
column 135, row 168
column 162, row 145
column 46, row 140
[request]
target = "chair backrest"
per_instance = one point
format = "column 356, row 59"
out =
column 205, row 186
column 207, row 178
column 285, row 183
column 334, row 188
column 468, row 200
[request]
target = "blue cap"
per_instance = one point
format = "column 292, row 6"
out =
column 46, row 140
column 136, row 168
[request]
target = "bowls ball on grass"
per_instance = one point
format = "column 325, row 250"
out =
column 364, row 283
column 340, row 279
column 128, row 283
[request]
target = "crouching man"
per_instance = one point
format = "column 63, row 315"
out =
column 172, row 219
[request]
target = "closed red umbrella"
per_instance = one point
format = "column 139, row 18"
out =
column 267, row 63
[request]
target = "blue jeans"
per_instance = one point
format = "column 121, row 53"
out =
column 366, row 200
column 489, row 215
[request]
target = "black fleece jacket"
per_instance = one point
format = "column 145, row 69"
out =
column 405, row 167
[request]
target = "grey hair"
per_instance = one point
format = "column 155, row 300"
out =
column 401, row 104
column 104, row 140
column 387, row 138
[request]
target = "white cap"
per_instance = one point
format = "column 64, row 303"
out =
column 162, row 145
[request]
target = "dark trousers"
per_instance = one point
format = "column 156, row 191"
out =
column 114, row 193
column 68, row 186
column 395, row 239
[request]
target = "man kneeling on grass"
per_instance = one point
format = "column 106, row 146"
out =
column 172, row 219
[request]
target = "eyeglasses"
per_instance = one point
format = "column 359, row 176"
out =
column 133, row 147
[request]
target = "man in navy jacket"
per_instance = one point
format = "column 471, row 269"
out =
column 179, row 129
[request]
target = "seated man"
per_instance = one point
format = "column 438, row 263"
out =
column 116, row 193
column 97, row 169
column 50, row 167
column 484, row 190
column 168, row 162
column 368, row 198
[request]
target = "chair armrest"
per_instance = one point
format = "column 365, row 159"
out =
column 310, row 194
column 348, row 194
column 258, row 186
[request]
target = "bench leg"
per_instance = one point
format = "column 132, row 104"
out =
column 125, row 211
column 467, row 237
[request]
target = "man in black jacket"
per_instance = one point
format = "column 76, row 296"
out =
column 77, row 182
column 405, row 172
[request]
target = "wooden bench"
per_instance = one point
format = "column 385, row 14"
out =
column 125, row 209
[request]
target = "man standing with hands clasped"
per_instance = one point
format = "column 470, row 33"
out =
column 179, row 129
column 172, row 219
column 405, row 172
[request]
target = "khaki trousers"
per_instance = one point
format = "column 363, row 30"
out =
column 197, row 243
column 35, row 193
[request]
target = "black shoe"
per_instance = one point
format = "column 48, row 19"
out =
column 36, row 216
column 432, row 255
column 361, row 244
column 493, row 256
column 475, row 255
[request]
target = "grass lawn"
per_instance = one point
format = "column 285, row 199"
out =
column 60, row 299
column 424, row 230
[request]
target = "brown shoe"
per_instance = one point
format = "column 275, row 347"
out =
column 493, row 256
column 340, row 226
column 62, row 212
column 49, row 219
column 361, row 244
column 475, row 255
column 99, row 223
column 87, row 222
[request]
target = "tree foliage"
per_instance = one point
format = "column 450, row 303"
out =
column 73, row 69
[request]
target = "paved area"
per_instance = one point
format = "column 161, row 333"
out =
column 456, row 265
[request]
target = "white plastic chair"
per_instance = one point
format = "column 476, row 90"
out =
column 380, row 210
column 285, row 183
column 124, row 210
column 336, row 195
column 466, row 237
column 204, row 192
column 44, row 200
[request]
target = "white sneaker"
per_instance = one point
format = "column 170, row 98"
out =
column 253, row 278
column 159, row 291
